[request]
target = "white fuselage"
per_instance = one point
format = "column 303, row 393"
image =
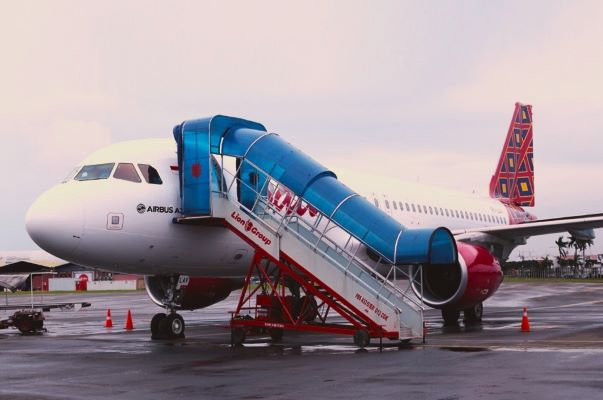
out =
column 125, row 226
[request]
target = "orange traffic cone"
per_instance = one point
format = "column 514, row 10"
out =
column 129, row 323
column 108, row 321
column 525, row 322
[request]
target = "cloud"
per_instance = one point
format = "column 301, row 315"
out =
column 558, row 69
column 379, row 92
column 65, row 142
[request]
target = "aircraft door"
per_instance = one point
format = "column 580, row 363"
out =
column 250, row 183
column 194, row 161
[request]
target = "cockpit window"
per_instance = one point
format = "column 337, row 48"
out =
column 93, row 172
column 126, row 172
column 150, row 174
column 71, row 175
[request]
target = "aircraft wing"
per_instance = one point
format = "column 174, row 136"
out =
column 539, row 227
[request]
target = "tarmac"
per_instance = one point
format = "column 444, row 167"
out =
column 562, row 357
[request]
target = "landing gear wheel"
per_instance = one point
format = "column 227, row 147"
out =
column 175, row 326
column 474, row 314
column 155, row 331
column 362, row 338
column 237, row 336
column 276, row 334
column 171, row 327
column 451, row 317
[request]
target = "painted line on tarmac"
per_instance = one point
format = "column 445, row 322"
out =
column 585, row 303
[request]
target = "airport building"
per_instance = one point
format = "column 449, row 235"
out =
column 64, row 277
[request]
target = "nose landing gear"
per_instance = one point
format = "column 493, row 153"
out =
column 171, row 325
column 167, row 326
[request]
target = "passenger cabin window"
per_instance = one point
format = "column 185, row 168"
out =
column 94, row 172
column 413, row 208
column 126, row 172
column 395, row 205
column 387, row 204
column 150, row 174
column 376, row 203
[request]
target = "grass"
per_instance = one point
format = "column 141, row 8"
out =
column 511, row 279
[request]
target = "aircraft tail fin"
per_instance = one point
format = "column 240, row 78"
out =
column 513, row 179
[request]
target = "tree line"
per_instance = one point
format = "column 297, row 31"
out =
column 577, row 266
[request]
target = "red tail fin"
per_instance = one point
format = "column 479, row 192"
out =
column 514, row 175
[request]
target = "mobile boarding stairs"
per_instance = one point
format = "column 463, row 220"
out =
column 310, row 232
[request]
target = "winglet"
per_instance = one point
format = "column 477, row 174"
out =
column 513, row 180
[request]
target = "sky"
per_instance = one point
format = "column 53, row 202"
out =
column 419, row 91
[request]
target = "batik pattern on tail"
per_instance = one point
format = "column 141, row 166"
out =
column 514, row 176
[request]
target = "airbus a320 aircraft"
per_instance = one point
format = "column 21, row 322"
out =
column 116, row 212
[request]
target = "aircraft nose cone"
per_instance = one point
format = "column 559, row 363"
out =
column 55, row 221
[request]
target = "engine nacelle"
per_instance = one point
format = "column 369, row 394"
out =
column 191, row 294
column 475, row 277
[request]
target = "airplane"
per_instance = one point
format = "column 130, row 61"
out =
column 116, row 211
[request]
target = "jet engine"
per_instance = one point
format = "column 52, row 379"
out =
column 190, row 293
column 462, row 286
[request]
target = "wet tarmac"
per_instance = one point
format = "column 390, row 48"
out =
column 78, row 358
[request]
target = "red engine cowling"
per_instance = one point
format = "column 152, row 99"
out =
column 199, row 292
column 475, row 277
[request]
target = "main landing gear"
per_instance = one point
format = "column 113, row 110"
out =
column 450, row 316
column 170, row 325
column 473, row 315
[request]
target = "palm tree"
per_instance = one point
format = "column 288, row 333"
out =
column 573, row 243
column 585, row 244
column 562, row 245
column 579, row 245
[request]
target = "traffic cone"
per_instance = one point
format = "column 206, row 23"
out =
column 129, row 324
column 525, row 322
column 108, row 321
